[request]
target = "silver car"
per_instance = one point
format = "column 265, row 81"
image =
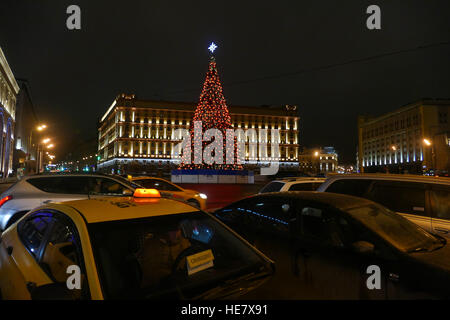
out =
column 33, row 191
column 423, row 200
column 293, row 184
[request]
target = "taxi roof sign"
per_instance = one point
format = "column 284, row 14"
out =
column 146, row 193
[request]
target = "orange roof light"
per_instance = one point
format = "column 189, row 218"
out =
column 146, row 193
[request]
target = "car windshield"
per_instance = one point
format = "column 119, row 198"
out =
column 184, row 256
column 398, row 231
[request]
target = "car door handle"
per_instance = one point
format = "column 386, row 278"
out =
column 394, row 277
column 441, row 230
column 46, row 201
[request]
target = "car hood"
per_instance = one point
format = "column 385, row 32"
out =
column 190, row 191
column 439, row 258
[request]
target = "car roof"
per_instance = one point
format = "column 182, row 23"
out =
column 340, row 201
column 387, row 176
column 148, row 177
column 300, row 179
column 72, row 174
column 124, row 208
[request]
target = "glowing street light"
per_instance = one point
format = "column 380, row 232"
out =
column 41, row 127
column 51, row 145
column 46, row 140
column 316, row 154
column 394, row 148
column 427, row 142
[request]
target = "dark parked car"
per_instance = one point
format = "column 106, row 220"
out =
column 423, row 200
column 328, row 245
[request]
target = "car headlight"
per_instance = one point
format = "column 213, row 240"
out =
column 202, row 195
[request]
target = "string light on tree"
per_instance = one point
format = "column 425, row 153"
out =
column 212, row 111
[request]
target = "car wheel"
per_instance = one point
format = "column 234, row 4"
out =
column 194, row 203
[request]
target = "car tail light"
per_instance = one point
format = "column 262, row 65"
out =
column 5, row 199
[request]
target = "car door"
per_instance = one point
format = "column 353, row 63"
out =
column 238, row 216
column 265, row 221
column 404, row 197
column 328, row 265
column 61, row 251
column 440, row 210
column 19, row 255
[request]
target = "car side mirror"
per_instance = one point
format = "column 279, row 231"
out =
column 51, row 291
column 363, row 247
column 127, row 192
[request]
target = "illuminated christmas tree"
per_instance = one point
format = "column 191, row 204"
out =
column 212, row 111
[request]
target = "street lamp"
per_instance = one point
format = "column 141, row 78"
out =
column 316, row 162
column 38, row 128
column 428, row 143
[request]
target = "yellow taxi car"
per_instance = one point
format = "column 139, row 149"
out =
column 138, row 247
column 169, row 189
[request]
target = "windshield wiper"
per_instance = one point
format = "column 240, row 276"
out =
column 231, row 287
column 418, row 249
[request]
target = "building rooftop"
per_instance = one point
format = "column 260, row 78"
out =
column 7, row 70
column 423, row 102
column 131, row 101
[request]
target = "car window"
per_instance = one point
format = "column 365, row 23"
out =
column 353, row 187
column 440, row 202
column 158, row 257
column 272, row 209
column 61, row 251
column 326, row 227
column 33, row 230
column 105, row 186
column 62, row 185
column 305, row 186
column 256, row 210
column 400, row 196
column 272, row 187
column 157, row 184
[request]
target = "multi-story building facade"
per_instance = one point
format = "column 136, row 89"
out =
column 24, row 158
column 135, row 134
column 8, row 97
column 413, row 139
column 318, row 160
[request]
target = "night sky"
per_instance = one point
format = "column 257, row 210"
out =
column 158, row 50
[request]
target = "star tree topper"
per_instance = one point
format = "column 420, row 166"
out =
column 212, row 47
